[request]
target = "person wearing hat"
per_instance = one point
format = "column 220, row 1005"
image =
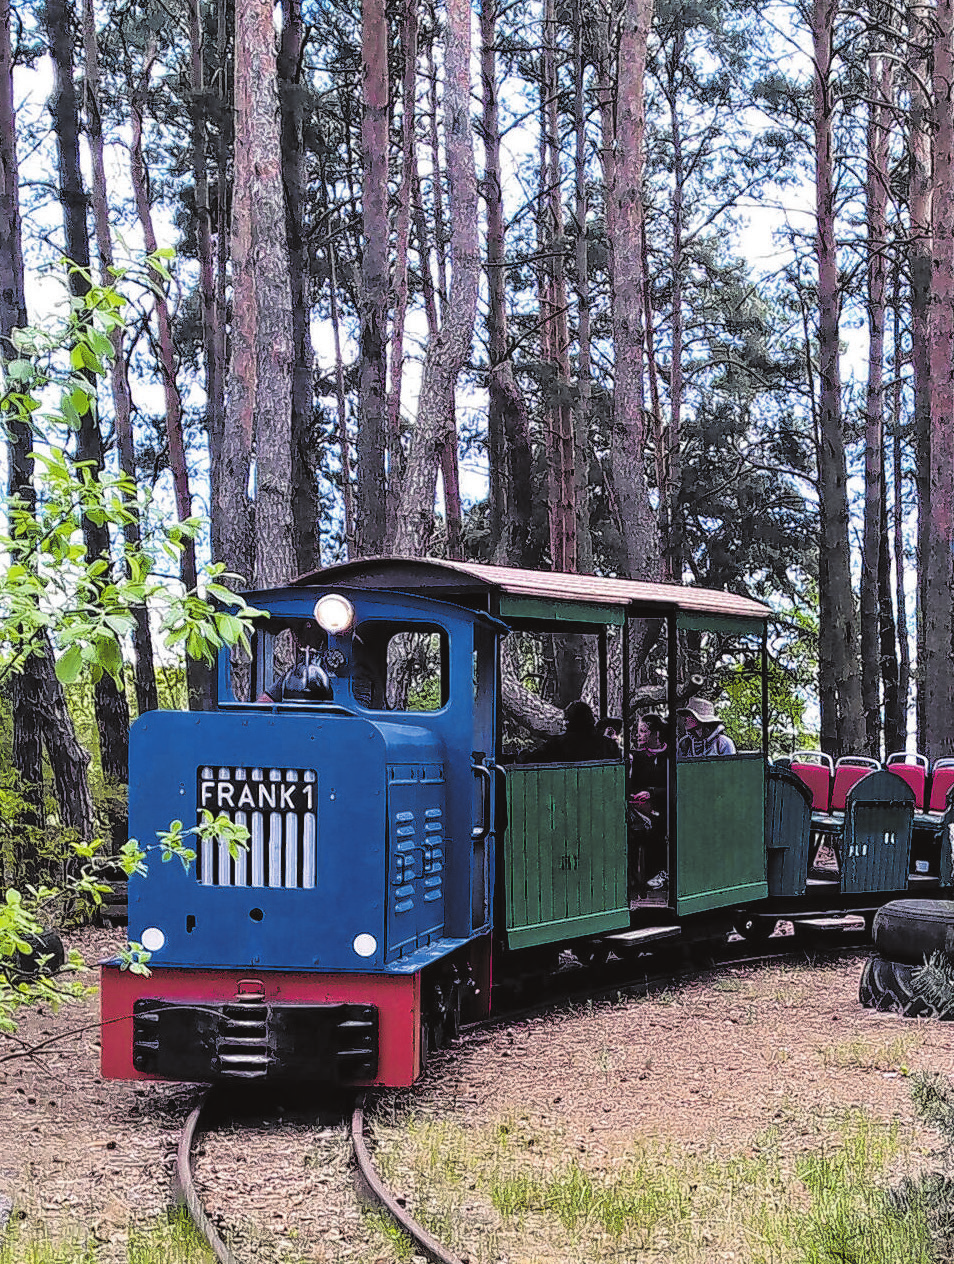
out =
column 704, row 735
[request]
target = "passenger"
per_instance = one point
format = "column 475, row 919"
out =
column 704, row 734
column 578, row 742
column 613, row 729
column 646, row 804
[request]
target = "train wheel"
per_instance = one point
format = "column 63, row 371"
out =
column 753, row 928
column 593, row 953
column 888, row 986
column 910, row 930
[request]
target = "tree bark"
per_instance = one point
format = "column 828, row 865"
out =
column 304, row 500
column 582, row 412
column 669, row 494
column 37, row 701
column 919, row 253
column 623, row 178
column 938, row 573
column 838, row 640
column 879, row 123
column 196, row 678
column 508, row 424
column 372, row 388
column 561, row 462
column 112, row 711
column 258, row 417
column 402, row 238
column 27, row 735
column 447, row 355
column 147, row 697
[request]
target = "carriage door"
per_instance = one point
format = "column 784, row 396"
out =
column 483, row 790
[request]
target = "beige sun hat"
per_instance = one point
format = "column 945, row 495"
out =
column 701, row 709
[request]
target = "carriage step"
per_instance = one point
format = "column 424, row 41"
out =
column 643, row 935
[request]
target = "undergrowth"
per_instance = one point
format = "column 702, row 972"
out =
column 169, row 1239
column 502, row 1190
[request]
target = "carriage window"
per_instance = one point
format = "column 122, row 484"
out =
column 401, row 668
column 724, row 668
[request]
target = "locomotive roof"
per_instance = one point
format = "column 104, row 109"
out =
column 450, row 580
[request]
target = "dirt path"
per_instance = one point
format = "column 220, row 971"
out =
column 710, row 1063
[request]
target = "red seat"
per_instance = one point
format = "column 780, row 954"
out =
column 848, row 772
column 912, row 768
column 942, row 778
column 816, row 769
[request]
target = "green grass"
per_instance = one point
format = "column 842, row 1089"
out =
column 874, row 1055
column 170, row 1239
column 518, row 1189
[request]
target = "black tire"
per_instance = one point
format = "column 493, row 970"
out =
column 910, row 930
column 45, row 957
column 753, row 928
column 888, row 986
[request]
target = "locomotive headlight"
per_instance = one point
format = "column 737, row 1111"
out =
column 365, row 945
column 152, row 939
column 334, row 613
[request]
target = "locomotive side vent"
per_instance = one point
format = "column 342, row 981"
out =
column 278, row 807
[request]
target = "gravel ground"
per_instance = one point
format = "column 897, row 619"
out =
column 709, row 1064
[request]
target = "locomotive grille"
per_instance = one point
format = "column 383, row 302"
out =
column 278, row 808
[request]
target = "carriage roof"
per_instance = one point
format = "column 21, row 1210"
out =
column 515, row 594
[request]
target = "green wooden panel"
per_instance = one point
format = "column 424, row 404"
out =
column 565, row 859
column 875, row 851
column 547, row 610
column 720, row 832
column 729, row 625
column 788, row 824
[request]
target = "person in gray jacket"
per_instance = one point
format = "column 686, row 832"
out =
column 704, row 735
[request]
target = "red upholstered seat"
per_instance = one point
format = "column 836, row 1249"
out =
column 942, row 778
column 912, row 768
column 848, row 772
column 815, row 768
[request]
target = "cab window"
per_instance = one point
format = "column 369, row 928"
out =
column 401, row 667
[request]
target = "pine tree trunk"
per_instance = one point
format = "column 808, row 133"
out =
column 561, row 465
column 879, row 79
column 919, row 253
column 27, row 738
column 147, row 697
column 447, row 355
column 372, row 388
column 670, row 493
column 939, row 578
column 838, row 649
column 508, row 426
column 259, row 414
column 402, row 238
column 582, row 413
column 304, row 500
column 112, row 712
column 623, row 162
column 197, row 679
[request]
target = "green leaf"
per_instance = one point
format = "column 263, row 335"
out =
column 69, row 665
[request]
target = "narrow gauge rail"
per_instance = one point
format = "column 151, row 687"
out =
column 574, row 986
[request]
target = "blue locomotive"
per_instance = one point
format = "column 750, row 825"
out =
column 401, row 850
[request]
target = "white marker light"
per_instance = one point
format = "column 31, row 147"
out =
column 334, row 613
column 152, row 939
column 365, row 945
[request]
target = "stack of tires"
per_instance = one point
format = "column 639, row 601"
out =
column 905, row 934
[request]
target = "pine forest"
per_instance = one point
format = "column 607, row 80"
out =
column 654, row 290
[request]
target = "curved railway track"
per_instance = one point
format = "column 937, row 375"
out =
column 369, row 1184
